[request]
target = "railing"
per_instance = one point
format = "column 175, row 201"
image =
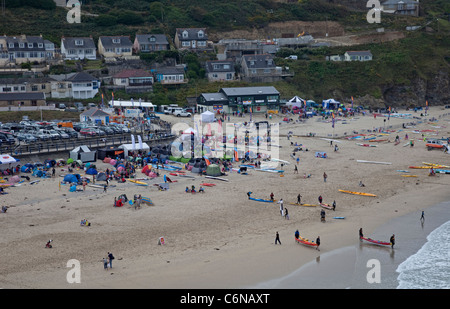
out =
column 53, row 146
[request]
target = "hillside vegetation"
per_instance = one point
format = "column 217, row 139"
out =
column 421, row 55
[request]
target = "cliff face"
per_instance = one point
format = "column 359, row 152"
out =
column 435, row 91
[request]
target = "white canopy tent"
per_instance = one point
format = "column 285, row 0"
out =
column 132, row 103
column 207, row 117
column 134, row 147
column 330, row 104
column 6, row 161
column 296, row 101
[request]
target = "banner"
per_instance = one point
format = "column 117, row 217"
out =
column 133, row 142
column 140, row 142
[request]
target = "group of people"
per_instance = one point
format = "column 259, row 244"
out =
column 107, row 262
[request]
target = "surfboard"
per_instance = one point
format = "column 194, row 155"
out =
column 218, row 178
column 138, row 182
column 366, row 145
column 374, row 162
column 409, row 175
column 261, row 200
column 357, row 193
column 338, row 217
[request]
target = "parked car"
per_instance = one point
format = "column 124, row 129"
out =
column 107, row 130
column 26, row 137
column 62, row 134
column 40, row 135
column 182, row 113
column 88, row 132
column 71, row 132
column 7, row 138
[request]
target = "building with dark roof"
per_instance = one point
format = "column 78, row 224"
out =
column 22, row 99
column 218, row 70
column 191, row 38
column 78, row 48
column 79, row 85
column 241, row 99
column 144, row 43
column 260, row 68
column 23, row 49
column 115, row 46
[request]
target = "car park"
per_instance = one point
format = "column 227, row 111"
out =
column 107, row 130
column 62, row 134
column 26, row 137
column 7, row 138
column 40, row 135
column 71, row 132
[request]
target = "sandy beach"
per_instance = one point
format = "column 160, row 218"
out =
column 220, row 239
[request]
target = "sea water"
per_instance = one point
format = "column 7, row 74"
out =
column 429, row 268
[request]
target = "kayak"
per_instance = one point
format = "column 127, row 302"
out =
column 305, row 241
column 305, row 205
column 327, row 206
column 409, row 175
column 377, row 242
column 261, row 200
column 208, row 184
column 338, row 217
column 358, row 193
column 366, row 145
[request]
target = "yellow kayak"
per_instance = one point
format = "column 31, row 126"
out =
column 305, row 205
column 358, row 193
column 409, row 175
column 435, row 165
column 138, row 182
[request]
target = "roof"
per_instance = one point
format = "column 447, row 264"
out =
column 216, row 96
column 23, row 80
column 170, row 70
column 395, row 2
column 260, row 61
column 13, row 96
column 94, row 112
column 107, row 41
column 81, row 77
column 359, row 53
column 35, row 40
column 70, row 42
column 242, row 91
column 192, row 34
column 133, row 73
column 145, row 38
column 210, row 66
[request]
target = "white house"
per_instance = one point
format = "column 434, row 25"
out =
column 78, row 48
column 78, row 86
column 363, row 55
column 95, row 115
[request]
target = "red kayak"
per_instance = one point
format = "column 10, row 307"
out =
column 208, row 184
column 305, row 241
column 377, row 242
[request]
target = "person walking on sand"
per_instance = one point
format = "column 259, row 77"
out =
column 320, row 199
column 392, row 240
column 271, row 196
column 299, row 199
column 277, row 238
column 110, row 257
column 422, row 217
column 325, row 177
column 286, row 214
column 105, row 264
column 295, row 169
column 281, row 206
column 361, row 235
column 318, row 243
column 334, row 205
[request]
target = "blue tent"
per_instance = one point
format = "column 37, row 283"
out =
column 91, row 171
column 71, row 178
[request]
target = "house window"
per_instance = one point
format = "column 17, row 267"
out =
column 16, row 88
column 201, row 43
column 229, row 76
column 22, row 45
column 34, row 88
column 79, row 42
column 152, row 39
column 123, row 80
column 33, row 103
column 22, row 88
column 266, row 71
column 30, row 45
column 116, row 41
column 185, row 34
column 11, row 45
column 40, row 45
column 185, row 43
column 72, row 51
column 200, row 34
column 226, row 66
column 43, row 87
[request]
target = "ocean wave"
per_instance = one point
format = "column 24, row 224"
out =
column 429, row 268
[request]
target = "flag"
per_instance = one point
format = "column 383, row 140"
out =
column 112, row 94
column 140, row 142
column 332, row 120
column 102, row 99
column 426, row 105
column 236, row 156
column 207, row 160
column 133, row 142
column 352, row 102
